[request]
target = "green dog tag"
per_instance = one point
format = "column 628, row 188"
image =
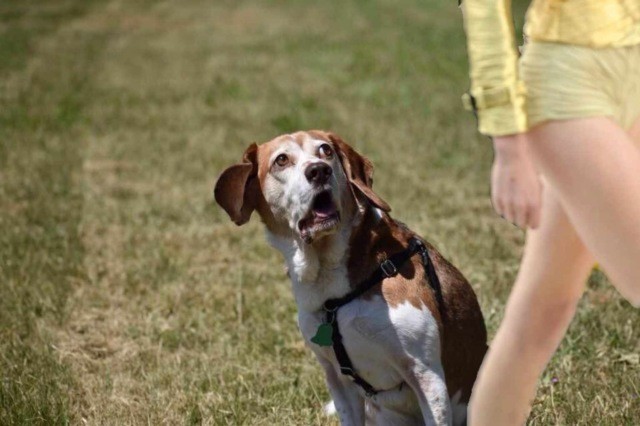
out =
column 323, row 335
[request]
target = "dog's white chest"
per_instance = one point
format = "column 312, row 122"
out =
column 375, row 336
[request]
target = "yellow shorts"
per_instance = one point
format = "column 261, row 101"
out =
column 566, row 81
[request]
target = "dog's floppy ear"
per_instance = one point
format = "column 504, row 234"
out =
column 359, row 171
column 237, row 189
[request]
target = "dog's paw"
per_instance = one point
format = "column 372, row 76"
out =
column 329, row 409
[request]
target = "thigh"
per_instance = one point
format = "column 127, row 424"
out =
column 556, row 263
column 595, row 168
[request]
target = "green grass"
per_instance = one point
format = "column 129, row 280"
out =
column 127, row 297
column 43, row 89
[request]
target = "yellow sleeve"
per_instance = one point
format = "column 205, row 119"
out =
column 496, row 92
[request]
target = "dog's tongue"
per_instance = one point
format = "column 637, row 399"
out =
column 323, row 206
column 324, row 210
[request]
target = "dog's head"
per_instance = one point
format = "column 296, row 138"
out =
column 307, row 184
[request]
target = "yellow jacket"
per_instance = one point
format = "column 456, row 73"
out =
column 497, row 93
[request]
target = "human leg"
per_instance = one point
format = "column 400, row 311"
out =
column 595, row 168
column 550, row 281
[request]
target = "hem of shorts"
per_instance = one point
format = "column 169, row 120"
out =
column 533, row 122
column 595, row 46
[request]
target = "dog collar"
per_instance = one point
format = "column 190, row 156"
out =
column 328, row 333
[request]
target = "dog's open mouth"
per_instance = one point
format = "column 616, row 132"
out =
column 322, row 216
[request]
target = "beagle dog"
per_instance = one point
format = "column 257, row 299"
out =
column 396, row 328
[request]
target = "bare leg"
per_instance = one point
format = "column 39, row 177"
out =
column 595, row 167
column 551, row 280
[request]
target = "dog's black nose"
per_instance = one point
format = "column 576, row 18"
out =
column 318, row 173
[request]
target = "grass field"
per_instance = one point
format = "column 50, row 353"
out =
column 127, row 297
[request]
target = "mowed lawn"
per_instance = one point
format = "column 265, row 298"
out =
column 128, row 297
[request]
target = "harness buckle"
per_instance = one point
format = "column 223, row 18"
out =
column 389, row 268
column 347, row 371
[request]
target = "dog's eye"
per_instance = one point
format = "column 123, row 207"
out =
column 282, row 160
column 326, row 150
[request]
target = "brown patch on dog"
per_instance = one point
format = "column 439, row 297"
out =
column 238, row 190
column 237, row 187
column 462, row 332
column 465, row 336
column 264, row 154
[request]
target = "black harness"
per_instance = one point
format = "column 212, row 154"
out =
column 388, row 268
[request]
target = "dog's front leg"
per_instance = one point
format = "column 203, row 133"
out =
column 346, row 397
column 429, row 386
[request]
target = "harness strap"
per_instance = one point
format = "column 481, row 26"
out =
column 346, row 366
column 434, row 281
column 388, row 268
